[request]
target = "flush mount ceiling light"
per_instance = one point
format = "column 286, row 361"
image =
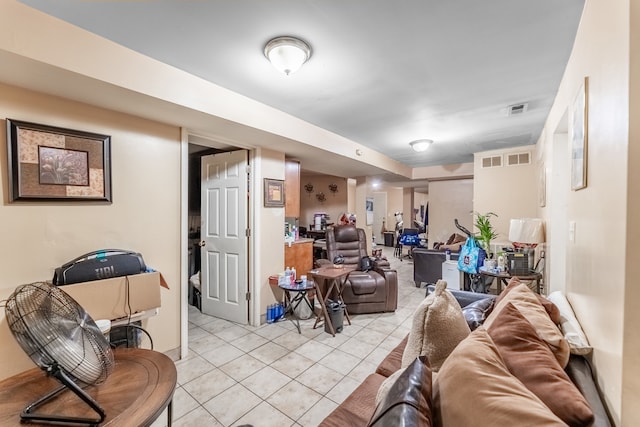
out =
column 287, row 54
column 420, row 144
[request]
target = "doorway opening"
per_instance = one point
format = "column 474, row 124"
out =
column 195, row 149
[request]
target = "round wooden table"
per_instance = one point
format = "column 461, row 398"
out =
column 140, row 387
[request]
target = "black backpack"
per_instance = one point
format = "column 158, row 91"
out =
column 366, row 263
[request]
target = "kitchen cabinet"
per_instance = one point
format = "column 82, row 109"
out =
column 299, row 255
column 292, row 189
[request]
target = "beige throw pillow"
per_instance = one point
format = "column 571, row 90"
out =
column 438, row 326
column 474, row 388
column 387, row 384
column 526, row 301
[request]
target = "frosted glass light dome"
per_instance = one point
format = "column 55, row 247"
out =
column 287, row 54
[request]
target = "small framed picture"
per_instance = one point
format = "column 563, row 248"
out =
column 273, row 193
column 56, row 164
column 580, row 137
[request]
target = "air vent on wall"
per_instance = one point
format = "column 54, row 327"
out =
column 492, row 161
column 516, row 109
column 518, row 159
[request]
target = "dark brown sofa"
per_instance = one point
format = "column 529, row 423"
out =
column 359, row 407
column 373, row 291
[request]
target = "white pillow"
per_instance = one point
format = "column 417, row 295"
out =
column 573, row 333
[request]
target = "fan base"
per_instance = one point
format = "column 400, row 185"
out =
column 67, row 383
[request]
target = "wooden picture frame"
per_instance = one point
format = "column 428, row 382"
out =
column 273, row 193
column 369, row 210
column 48, row 163
column 580, row 137
column 542, row 189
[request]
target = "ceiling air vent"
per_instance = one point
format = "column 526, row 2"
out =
column 518, row 159
column 491, row 162
column 516, row 109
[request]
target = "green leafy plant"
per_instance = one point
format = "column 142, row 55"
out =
column 486, row 232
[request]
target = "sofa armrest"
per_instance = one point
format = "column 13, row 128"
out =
column 391, row 279
column 380, row 263
column 322, row 262
column 464, row 298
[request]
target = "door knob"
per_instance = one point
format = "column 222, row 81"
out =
column 202, row 244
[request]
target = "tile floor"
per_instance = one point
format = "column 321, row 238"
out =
column 272, row 376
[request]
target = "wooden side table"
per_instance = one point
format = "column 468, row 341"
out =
column 336, row 277
column 140, row 387
column 504, row 277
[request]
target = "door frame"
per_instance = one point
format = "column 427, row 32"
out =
column 254, row 305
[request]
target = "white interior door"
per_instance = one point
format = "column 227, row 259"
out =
column 224, row 241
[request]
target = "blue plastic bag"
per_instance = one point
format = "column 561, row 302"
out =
column 410, row 240
column 471, row 257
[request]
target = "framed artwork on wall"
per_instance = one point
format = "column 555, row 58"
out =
column 580, row 137
column 48, row 163
column 273, row 193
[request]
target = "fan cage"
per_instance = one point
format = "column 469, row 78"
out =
column 53, row 329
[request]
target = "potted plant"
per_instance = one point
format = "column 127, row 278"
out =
column 486, row 232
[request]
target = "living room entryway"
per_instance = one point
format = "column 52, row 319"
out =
column 223, row 244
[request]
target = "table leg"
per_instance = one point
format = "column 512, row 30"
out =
column 170, row 413
column 501, row 282
column 323, row 308
column 291, row 308
column 339, row 289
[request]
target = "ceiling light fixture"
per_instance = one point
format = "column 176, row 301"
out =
column 287, row 53
column 420, row 145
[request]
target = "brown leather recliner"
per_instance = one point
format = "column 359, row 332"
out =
column 373, row 291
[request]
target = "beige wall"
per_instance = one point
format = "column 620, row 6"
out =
column 269, row 233
column 631, row 354
column 508, row 191
column 407, row 207
column 449, row 200
column 144, row 215
column 351, row 195
column 394, row 204
column 604, row 298
column 335, row 204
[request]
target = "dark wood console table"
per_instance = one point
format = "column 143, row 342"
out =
column 504, row 277
column 140, row 387
column 334, row 280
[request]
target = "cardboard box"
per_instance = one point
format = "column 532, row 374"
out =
column 119, row 296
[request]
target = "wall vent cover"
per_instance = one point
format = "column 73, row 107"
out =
column 491, row 162
column 518, row 159
column 517, row 109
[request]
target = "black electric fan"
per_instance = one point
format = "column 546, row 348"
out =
column 64, row 341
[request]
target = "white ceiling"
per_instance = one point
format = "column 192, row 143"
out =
column 382, row 73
